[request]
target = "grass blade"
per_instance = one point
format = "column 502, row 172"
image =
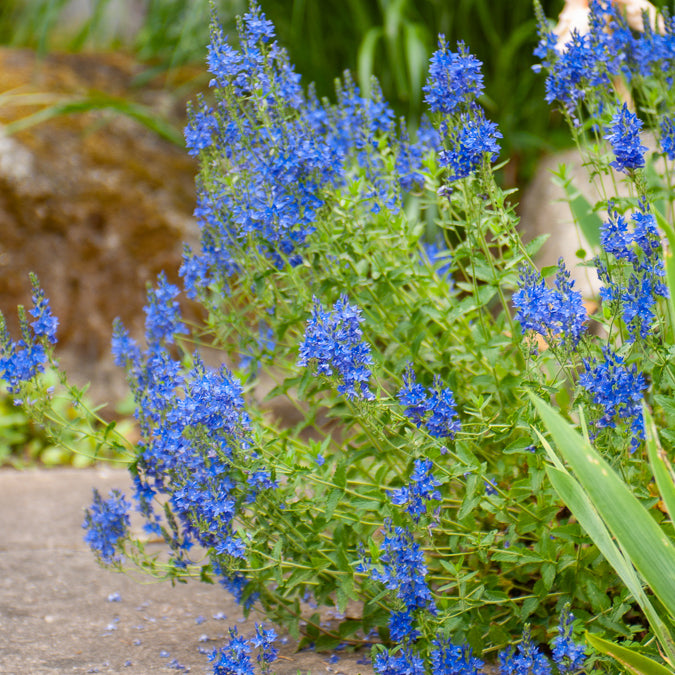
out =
column 140, row 113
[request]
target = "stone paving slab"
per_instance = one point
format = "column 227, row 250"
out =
column 55, row 616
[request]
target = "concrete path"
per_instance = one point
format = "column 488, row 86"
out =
column 55, row 612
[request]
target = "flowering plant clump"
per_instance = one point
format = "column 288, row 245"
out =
column 372, row 280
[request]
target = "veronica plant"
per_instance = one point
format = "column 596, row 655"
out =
column 368, row 444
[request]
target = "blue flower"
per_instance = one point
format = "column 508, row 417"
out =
column 569, row 71
column 402, row 627
column 45, row 323
column 617, row 389
column 474, row 142
column 403, row 662
column 443, row 422
column 107, row 522
column 549, row 311
column 667, row 139
column 616, row 237
column 433, row 409
column 23, row 359
column 587, row 61
column 568, row 655
column 234, row 657
column 526, row 660
column 454, row 79
column 124, row 349
column 404, row 569
column 20, row 362
column 237, row 584
column 421, row 490
column 624, row 137
column 414, row 396
column 163, row 321
column 636, row 291
column 333, row 341
column 264, row 642
column 201, row 129
column 449, row 659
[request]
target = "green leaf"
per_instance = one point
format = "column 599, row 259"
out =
column 663, row 471
column 366, row 58
column 142, row 114
column 632, row 661
column 643, row 541
column 589, row 222
column 669, row 262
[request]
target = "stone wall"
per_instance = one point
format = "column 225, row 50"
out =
column 95, row 204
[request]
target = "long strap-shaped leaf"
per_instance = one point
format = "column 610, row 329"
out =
column 662, row 468
column 643, row 541
column 578, row 503
column 634, row 663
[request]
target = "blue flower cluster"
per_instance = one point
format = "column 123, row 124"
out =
column 402, row 662
column 21, row 360
column 422, row 489
column 609, row 49
column 624, row 137
column 280, row 149
column 617, row 389
column 45, row 323
column 402, row 627
column 639, row 249
column 234, row 658
column 569, row 72
column 474, row 142
column 468, row 138
column 163, row 321
column 550, row 311
column 196, row 441
column 106, row 521
column 449, row 658
column 434, row 409
column 404, row 569
column 334, row 341
column 455, row 78
column 527, row 659
column 568, row 655
column 667, row 136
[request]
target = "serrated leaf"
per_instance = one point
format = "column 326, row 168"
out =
column 548, row 575
column 332, row 502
